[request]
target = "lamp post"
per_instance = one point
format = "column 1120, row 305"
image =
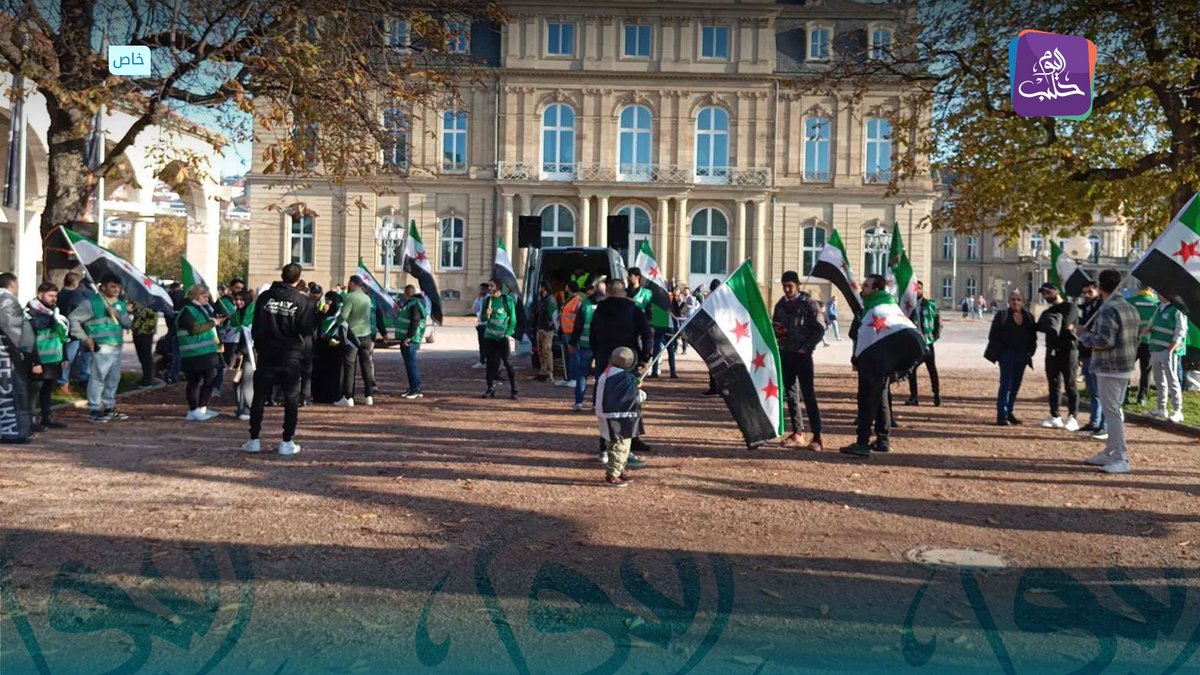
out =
column 389, row 237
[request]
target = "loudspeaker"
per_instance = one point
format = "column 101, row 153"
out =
column 618, row 232
column 529, row 232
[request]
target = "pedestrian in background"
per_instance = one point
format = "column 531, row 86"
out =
column 831, row 318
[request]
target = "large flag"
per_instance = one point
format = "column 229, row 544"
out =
column 191, row 276
column 416, row 264
column 733, row 333
column 371, row 286
column 661, row 297
column 1171, row 266
column 1065, row 274
column 887, row 341
column 100, row 262
column 833, row 266
column 900, row 278
column 502, row 269
column 12, row 169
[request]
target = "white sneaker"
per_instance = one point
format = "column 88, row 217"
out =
column 414, row 395
column 1158, row 413
column 192, row 416
column 1101, row 435
column 576, row 407
column 603, row 457
column 479, row 366
column 1072, row 424
column 252, row 446
column 370, row 400
column 245, row 417
column 1052, row 423
column 1099, row 459
column 288, row 448
column 1176, row 417
column 344, row 402
column 1116, row 466
column 206, row 414
column 570, row 383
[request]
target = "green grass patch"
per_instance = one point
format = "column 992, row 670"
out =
column 129, row 382
column 1191, row 404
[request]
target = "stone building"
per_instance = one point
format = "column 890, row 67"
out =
column 687, row 116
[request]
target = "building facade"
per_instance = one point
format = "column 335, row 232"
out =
column 688, row 117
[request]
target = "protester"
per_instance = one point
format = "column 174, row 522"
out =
column 283, row 316
column 200, row 351
column 1089, row 304
column 545, row 310
column 328, row 345
column 659, row 321
column 618, row 322
column 243, row 363
column 500, row 324
column 1012, row 342
column 99, row 324
column 480, row 324
column 619, row 410
column 1168, row 335
column 68, row 299
column 358, row 313
column 926, row 318
column 576, row 320
column 873, row 413
column 226, row 306
column 1145, row 301
column 45, row 337
column 1113, row 336
column 799, row 328
column 1058, row 322
column 679, row 314
column 144, row 326
column 410, row 331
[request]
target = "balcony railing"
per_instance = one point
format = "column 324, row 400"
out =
column 514, row 171
column 662, row 174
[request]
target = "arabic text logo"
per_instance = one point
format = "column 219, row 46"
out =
column 1051, row 75
column 129, row 61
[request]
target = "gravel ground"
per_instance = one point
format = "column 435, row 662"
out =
column 460, row 535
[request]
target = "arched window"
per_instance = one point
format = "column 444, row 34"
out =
column 558, row 142
column 876, row 242
column 1094, row 247
column 879, row 150
column 814, row 241
column 639, row 229
column 558, row 226
column 710, row 246
column 712, row 146
column 452, row 244
column 636, row 138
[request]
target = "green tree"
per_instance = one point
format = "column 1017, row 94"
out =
column 234, row 253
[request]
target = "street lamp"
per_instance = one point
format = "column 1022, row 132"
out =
column 390, row 237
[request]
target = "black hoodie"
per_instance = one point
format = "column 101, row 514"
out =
column 283, row 318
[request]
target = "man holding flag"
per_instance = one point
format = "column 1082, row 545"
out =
column 416, row 265
column 648, row 288
column 99, row 324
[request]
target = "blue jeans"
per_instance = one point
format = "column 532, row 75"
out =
column 661, row 335
column 75, row 351
column 104, row 380
column 411, row 367
column 581, row 362
column 1012, row 370
column 1095, row 412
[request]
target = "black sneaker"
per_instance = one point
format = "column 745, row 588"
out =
column 937, row 400
column 513, row 395
column 1002, row 421
column 97, row 418
column 856, row 449
column 911, row 400
column 490, row 393
column 1088, row 428
column 114, row 415
column 880, row 447
column 638, row 445
column 635, row 462
column 1012, row 419
column 36, row 428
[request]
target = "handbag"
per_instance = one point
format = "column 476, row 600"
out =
column 236, row 367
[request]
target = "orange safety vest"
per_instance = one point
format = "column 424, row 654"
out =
column 568, row 314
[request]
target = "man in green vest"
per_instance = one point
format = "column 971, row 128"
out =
column 99, row 323
column 500, row 324
column 410, row 330
column 46, row 341
column 1167, row 340
column 1145, row 301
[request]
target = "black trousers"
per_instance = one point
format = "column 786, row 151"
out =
column 287, row 376
column 497, row 353
column 45, row 391
column 482, row 345
column 873, row 412
column 1143, row 361
column 144, row 344
column 798, row 377
column 931, row 366
column 199, row 387
column 364, row 359
column 1061, row 371
column 306, row 369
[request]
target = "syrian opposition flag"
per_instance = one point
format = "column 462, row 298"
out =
column 100, row 262
column 1065, row 274
column 416, row 265
column 887, row 341
column 373, row 289
column 900, row 278
column 1172, row 264
column 832, row 265
column 502, row 271
column 191, row 276
column 733, row 333
column 651, row 272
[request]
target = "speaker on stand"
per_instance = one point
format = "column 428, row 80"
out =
column 618, row 232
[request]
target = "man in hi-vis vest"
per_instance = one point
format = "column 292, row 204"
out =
column 99, row 324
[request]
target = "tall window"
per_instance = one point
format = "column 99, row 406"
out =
column 396, row 249
column 879, row 150
column 1094, row 247
column 710, row 246
column 947, row 246
column 814, row 241
column 712, row 145
column 558, row 226
column 560, row 39
column 1035, row 244
column 639, row 230
column 397, row 33
column 558, row 142
column 881, row 43
column 304, row 136
column 452, row 244
column 972, row 287
column 395, row 151
column 301, row 239
column 819, row 38
column 876, row 242
column 454, row 141
column 714, row 42
column 972, row 248
column 636, row 139
column 637, row 41
column 458, row 39
column 948, row 288
column 816, row 149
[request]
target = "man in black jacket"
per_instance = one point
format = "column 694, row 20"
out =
column 284, row 318
column 799, row 328
column 1058, row 322
column 618, row 322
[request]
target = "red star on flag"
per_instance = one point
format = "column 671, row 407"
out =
column 741, row 330
column 421, row 256
column 760, row 360
column 147, row 283
column 653, row 272
column 770, row 390
column 879, row 323
column 1187, row 250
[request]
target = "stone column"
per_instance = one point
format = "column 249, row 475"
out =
column 139, row 243
column 585, row 221
column 660, row 248
column 739, row 234
column 760, row 240
column 203, row 237
column 508, row 221
column 682, row 232
column 602, row 220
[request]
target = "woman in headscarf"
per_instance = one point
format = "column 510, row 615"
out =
column 199, row 351
column 328, row 346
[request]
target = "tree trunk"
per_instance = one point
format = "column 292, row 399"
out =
column 70, row 181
